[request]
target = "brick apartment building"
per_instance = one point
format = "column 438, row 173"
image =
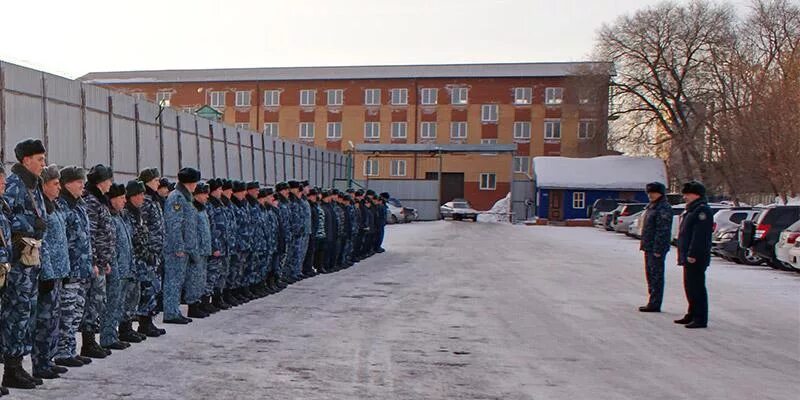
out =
column 542, row 107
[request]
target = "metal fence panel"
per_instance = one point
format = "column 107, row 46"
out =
column 64, row 138
column 21, row 79
column 124, row 145
column 62, row 89
column 123, row 105
column 203, row 127
column 96, row 97
column 24, row 119
column 220, row 161
column 189, row 150
column 206, row 161
column 97, row 139
column 170, row 143
column 149, row 155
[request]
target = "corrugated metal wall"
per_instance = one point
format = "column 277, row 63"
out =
column 84, row 125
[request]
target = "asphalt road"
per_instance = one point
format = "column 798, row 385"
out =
column 458, row 310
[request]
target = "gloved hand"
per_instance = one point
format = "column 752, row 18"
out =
column 39, row 224
column 46, row 286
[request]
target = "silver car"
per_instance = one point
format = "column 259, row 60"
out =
column 458, row 209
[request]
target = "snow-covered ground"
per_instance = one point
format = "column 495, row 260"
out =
column 457, row 310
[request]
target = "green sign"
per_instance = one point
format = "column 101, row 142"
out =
column 209, row 112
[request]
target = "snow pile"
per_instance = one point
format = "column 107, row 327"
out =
column 608, row 172
column 790, row 201
column 498, row 212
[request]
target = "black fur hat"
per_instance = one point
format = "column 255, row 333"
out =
column 188, row 175
column 239, row 186
column 294, row 184
column 100, row 173
column 27, row 148
column 694, row 187
column 253, row 185
column 71, row 174
column 133, row 188
column 148, row 174
column 281, row 186
column 116, row 190
column 201, row 188
column 227, row 184
column 214, row 184
column 656, row 187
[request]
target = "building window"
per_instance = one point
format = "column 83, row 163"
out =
column 188, row 109
column 458, row 130
column 399, row 97
column 372, row 130
column 488, row 181
column 334, row 130
column 459, row 95
column 579, row 200
column 335, row 97
column 218, row 99
column 552, row 130
column 523, row 95
column 427, row 130
column 522, row 130
column 272, row 98
column 521, row 165
column 163, row 98
column 586, row 129
column 271, row 129
column 371, row 168
column 242, row 98
column 489, row 113
column 553, row 95
column 398, row 168
column 139, row 96
column 430, row 96
column 399, row 130
column 308, row 97
column 372, row 97
column 306, row 130
column 489, row 141
column 243, row 126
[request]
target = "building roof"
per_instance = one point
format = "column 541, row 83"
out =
column 435, row 148
column 511, row 70
column 599, row 173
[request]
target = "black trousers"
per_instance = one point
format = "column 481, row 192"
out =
column 694, row 282
column 654, row 271
column 308, row 262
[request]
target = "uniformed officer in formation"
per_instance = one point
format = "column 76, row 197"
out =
column 79, row 252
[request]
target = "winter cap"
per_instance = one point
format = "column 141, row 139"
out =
column 201, row 188
column 694, row 187
column 71, row 174
column 133, row 188
column 305, row 183
column 371, row 193
column 28, row 147
column 99, row 173
column 253, row 185
column 326, row 193
column 239, row 186
column 163, row 183
column 270, row 191
column 227, row 184
column 214, row 184
column 188, row 175
column 656, row 187
column 50, row 173
column 385, row 195
column 294, row 184
column 116, row 190
column 262, row 193
column 281, row 186
column 171, row 186
column 148, row 174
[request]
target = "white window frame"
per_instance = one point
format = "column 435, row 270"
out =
column 163, row 95
column 271, row 129
column 522, row 165
column 523, row 95
column 489, row 112
column 306, row 130
column 489, row 141
column 488, row 181
column 334, row 130
column 372, row 130
column 243, row 126
column 553, row 96
column 459, row 96
column 243, row 98
column 308, row 97
column 372, row 97
column 217, row 98
column 139, row 96
column 429, row 96
column 578, row 200
column 550, row 129
column 371, row 167
column 589, row 131
column 272, row 98
column 427, row 130
column 396, row 169
column 458, row 130
column 399, row 97
column 399, row 130
column 335, row 97
column 188, row 109
column 522, row 130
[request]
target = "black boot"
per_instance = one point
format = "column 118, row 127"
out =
column 46, row 374
column 68, row 362
column 118, row 345
column 195, row 311
column 90, row 347
column 14, row 376
column 228, row 297
column 219, row 301
column 127, row 334
column 208, row 306
column 146, row 327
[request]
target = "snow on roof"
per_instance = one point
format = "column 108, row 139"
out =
column 606, row 173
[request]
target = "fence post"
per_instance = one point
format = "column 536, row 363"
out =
column 110, row 131
column 2, row 114
column 180, row 145
column 137, row 132
column 225, row 144
column 44, row 114
column 83, row 127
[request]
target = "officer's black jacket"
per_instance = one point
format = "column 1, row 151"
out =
column 694, row 238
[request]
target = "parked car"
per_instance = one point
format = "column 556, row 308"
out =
column 787, row 241
column 635, row 228
column 794, row 256
column 626, row 215
column 678, row 210
column 763, row 234
column 603, row 206
column 725, row 244
column 458, row 209
column 396, row 213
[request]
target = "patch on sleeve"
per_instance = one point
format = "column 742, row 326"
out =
column 702, row 216
column 177, row 207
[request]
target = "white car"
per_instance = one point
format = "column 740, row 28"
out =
column 794, row 256
column 458, row 209
column 787, row 242
column 635, row 229
column 627, row 214
column 677, row 211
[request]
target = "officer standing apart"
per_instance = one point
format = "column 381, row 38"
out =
column 655, row 243
column 694, row 253
column 180, row 219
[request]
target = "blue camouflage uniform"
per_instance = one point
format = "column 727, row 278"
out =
column 257, row 238
column 241, row 243
column 104, row 252
column 6, row 252
column 180, row 220
column 218, row 221
column 231, row 229
column 79, row 247
column 305, row 233
column 656, row 237
column 150, row 266
column 143, row 256
column 271, row 218
column 24, row 197
column 121, row 281
column 286, row 221
column 195, row 283
column 55, row 267
column 298, row 227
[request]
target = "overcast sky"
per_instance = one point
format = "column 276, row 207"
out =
column 72, row 38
